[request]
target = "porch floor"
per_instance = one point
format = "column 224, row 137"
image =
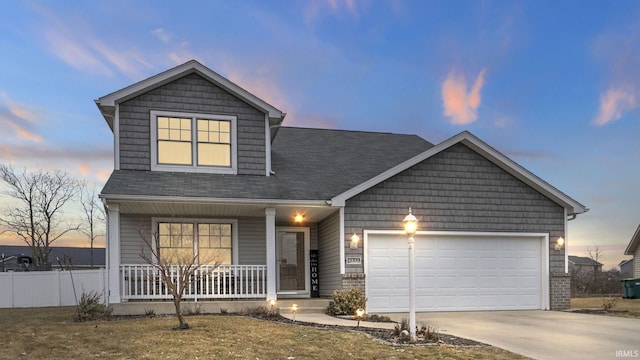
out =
column 305, row 306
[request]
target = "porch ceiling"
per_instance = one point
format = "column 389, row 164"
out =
column 284, row 213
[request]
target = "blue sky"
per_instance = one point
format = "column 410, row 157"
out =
column 553, row 85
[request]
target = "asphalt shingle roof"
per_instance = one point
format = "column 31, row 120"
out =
column 309, row 164
column 581, row 260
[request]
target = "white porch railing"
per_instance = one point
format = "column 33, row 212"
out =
column 144, row 282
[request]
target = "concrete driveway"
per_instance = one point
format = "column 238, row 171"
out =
column 542, row 334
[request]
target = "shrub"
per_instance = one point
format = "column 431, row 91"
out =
column 262, row 312
column 149, row 312
column 608, row 303
column 91, row 307
column 378, row 318
column 426, row 332
column 346, row 302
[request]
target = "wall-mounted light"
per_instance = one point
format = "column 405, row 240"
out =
column 298, row 218
column 355, row 239
column 559, row 244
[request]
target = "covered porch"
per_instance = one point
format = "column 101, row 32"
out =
column 270, row 252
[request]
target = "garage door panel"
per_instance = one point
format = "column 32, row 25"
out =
column 455, row 273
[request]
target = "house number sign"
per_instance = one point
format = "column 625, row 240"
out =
column 354, row 260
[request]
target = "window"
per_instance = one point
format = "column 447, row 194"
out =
column 193, row 142
column 207, row 241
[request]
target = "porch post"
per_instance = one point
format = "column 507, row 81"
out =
column 113, row 253
column 270, row 215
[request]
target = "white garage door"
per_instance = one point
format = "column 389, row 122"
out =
column 455, row 272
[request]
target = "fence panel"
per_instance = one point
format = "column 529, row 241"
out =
column 49, row 288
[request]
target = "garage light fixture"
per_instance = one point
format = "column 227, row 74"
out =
column 559, row 244
column 410, row 227
column 355, row 239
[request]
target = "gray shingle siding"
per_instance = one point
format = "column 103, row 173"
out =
column 329, row 254
column 191, row 93
column 457, row 190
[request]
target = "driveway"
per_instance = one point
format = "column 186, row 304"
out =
column 542, row 334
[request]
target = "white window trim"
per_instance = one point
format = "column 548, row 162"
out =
column 194, row 167
column 196, row 221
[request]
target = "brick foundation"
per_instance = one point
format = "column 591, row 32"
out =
column 560, row 291
column 353, row 280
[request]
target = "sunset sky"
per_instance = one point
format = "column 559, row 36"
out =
column 555, row 85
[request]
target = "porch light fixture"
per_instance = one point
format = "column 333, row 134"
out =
column 559, row 244
column 299, row 218
column 355, row 239
column 410, row 227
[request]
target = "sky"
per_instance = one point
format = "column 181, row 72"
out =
column 554, row 85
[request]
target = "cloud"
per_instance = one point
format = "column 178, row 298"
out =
column 461, row 106
column 317, row 8
column 162, row 35
column 21, row 119
column 76, row 46
column 614, row 103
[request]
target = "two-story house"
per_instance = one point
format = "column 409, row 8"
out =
column 209, row 168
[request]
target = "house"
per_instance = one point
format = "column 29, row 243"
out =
column 633, row 249
column 13, row 257
column 583, row 265
column 626, row 268
column 204, row 166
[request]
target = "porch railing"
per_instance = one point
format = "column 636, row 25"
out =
column 144, row 282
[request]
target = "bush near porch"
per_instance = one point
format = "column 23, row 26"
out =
column 50, row 333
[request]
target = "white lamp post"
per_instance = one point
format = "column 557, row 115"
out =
column 410, row 228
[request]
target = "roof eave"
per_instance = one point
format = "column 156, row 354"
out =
column 573, row 207
column 190, row 199
column 633, row 244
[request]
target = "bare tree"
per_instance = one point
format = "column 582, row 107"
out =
column 176, row 268
column 93, row 214
column 41, row 198
column 595, row 254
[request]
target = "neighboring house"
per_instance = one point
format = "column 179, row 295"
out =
column 583, row 265
column 202, row 165
column 633, row 249
column 74, row 257
column 626, row 268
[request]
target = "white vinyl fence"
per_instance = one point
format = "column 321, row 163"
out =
column 49, row 288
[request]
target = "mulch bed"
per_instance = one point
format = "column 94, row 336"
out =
column 384, row 335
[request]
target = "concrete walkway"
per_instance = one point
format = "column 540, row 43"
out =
column 536, row 334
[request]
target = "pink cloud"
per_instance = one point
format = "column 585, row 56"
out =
column 614, row 103
column 19, row 118
column 459, row 104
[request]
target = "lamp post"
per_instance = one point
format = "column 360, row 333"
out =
column 410, row 227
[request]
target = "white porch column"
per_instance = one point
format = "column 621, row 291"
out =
column 270, row 215
column 113, row 253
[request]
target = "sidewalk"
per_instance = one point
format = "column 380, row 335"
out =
column 330, row 320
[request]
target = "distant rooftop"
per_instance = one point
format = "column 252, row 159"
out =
column 79, row 256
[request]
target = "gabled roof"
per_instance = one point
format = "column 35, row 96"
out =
column 583, row 261
column 633, row 244
column 107, row 103
column 572, row 206
column 309, row 164
column 625, row 262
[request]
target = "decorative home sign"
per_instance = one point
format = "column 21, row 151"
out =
column 354, row 260
column 315, row 280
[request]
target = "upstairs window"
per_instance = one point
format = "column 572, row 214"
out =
column 193, row 142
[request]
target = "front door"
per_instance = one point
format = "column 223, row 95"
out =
column 292, row 251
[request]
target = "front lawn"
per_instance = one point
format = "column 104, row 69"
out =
column 622, row 307
column 49, row 333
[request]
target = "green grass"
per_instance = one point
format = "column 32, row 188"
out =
column 50, row 333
